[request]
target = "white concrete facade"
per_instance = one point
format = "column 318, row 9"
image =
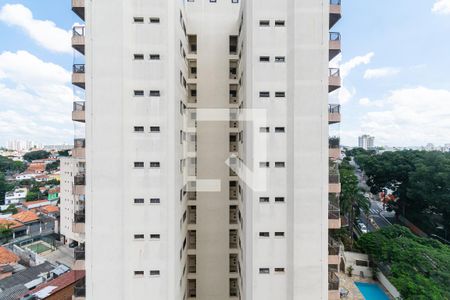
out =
column 166, row 218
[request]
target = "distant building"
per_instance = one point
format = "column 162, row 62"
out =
column 366, row 142
column 15, row 197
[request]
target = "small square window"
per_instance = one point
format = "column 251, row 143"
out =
column 154, row 20
column 138, row 164
column 264, row 58
column 234, row 1
column 264, row 94
column 264, row 164
column 155, row 129
column 139, row 236
column 154, row 164
column 264, row 234
column 279, row 199
column 279, row 270
column 155, row 236
column 155, row 93
column 213, row 1
column 138, row 20
column 155, row 57
column 138, row 92
column 264, row 271
column 264, row 23
column 264, row 129
column 138, row 200
column 280, row 164
column 155, row 201
column 138, row 273
column 264, row 199
column 279, row 234
column 279, row 129
column 154, row 272
column 138, row 128
column 280, row 94
column 138, row 56
column 280, row 59
column 279, row 23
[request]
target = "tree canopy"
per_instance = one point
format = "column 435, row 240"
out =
column 39, row 154
column 420, row 180
column 10, row 166
column 418, row 267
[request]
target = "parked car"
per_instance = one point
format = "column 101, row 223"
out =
column 73, row 244
column 363, row 227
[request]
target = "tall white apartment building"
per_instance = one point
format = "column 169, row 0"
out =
column 366, row 142
column 208, row 171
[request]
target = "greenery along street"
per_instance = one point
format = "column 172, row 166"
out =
column 418, row 267
column 420, row 181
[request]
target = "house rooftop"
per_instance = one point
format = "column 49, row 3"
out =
column 53, row 286
column 36, row 203
column 22, row 277
column 11, row 223
column 48, row 209
column 25, row 216
column 7, row 257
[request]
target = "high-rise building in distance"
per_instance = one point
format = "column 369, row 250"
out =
column 206, row 165
column 366, row 142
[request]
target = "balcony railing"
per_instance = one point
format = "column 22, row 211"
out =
column 79, row 143
column 78, row 112
column 335, row 44
column 78, row 75
column 334, row 173
column 78, row 41
column 334, row 79
column 335, row 12
column 78, row 68
column 334, row 113
column 334, row 108
column 334, row 142
column 80, row 179
column 79, row 217
column 79, row 253
column 333, row 247
column 333, row 281
column 78, row 8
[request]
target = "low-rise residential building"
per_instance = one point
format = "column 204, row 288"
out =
column 53, row 193
column 16, row 196
column 7, row 262
column 17, row 229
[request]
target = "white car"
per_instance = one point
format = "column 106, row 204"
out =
column 362, row 227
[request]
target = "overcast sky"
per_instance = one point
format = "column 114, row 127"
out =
column 395, row 64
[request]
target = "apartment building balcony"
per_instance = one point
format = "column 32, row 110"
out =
column 78, row 112
column 78, row 8
column 192, row 42
column 333, row 252
column 192, row 69
column 78, row 221
column 192, row 239
column 79, row 256
column 335, row 44
column 233, row 190
column 234, row 94
column 233, row 45
column 233, row 75
column 234, row 214
column 334, row 212
column 78, row 76
column 334, row 179
column 234, row 144
column 79, row 290
column 79, row 184
column 192, row 215
column 192, row 264
column 78, row 41
column 334, row 79
column 79, row 148
column 335, row 12
column 234, row 288
column 233, row 239
column 191, row 289
column 334, row 148
column 192, row 93
column 333, row 286
column 233, row 268
column 334, row 113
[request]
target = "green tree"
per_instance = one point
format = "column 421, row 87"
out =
column 4, row 187
column 10, row 166
column 32, row 196
column 39, row 154
column 63, row 153
column 52, row 166
column 5, row 233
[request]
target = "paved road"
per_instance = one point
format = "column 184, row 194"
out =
column 378, row 217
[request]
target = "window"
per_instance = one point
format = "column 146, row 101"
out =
column 138, row 92
column 138, row 273
column 138, row 128
column 279, row 164
column 264, row 129
column 264, row 271
column 138, row 56
column 154, row 129
column 279, row 199
column 264, row 94
column 154, row 164
column 154, row 20
column 138, row 236
column 213, row 1
column 279, row 129
column 155, row 57
column 155, row 93
column 154, row 272
column 264, row 23
column 264, row 164
column 280, row 94
column 279, row 270
column 155, row 236
column 138, row 200
column 234, row 1
column 279, row 234
column 279, row 23
column 138, row 164
column 264, row 199
column 155, row 201
column 264, row 58
column 280, row 59
column 138, row 20
column 264, row 234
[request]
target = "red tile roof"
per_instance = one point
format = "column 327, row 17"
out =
column 25, row 216
column 10, row 223
column 50, row 209
column 31, row 203
column 7, row 257
column 61, row 282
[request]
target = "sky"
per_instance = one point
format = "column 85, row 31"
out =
column 395, row 66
